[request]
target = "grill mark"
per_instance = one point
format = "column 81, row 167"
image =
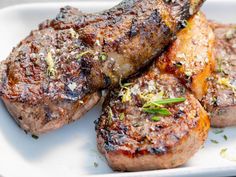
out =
column 181, row 11
column 136, row 28
column 133, row 30
column 145, row 18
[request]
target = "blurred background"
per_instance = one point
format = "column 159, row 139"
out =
column 5, row 3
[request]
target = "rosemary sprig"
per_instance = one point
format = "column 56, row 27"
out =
column 156, row 118
column 170, row 101
column 157, row 107
column 160, row 111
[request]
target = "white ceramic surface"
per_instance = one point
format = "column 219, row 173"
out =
column 71, row 151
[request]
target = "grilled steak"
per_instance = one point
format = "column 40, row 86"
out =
column 138, row 130
column 220, row 100
column 193, row 61
column 54, row 71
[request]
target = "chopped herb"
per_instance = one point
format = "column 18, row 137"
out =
column 156, row 107
column 218, row 131
column 178, row 64
column 126, row 96
column 147, row 97
column 103, row 56
column 50, row 62
column 214, row 141
column 226, row 82
column 125, row 90
column 156, row 118
column 168, row 101
column 127, row 84
column 159, row 111
column 223, row 152
column 79, row 56
column 95, row 164
column 35, row 136
column 225, row 137
column 122, row 116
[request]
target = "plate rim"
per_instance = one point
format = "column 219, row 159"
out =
column 228, row 170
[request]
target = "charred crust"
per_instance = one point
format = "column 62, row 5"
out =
column 133, row 30
column 157, row 150
column 107, row 81
column 86, row 66
column 48, row 114
column 155, row 17
column 184, row 13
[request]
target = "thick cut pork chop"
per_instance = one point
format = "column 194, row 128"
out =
column 139, row 130
column 53, row 75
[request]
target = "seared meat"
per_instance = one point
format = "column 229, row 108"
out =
column 220, row 100
column 40, row 96
column 136, row 131
column 69, row 58
column 193, row 61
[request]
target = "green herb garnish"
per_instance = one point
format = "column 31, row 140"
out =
column 223, row 152
column 156, row 118
column 178, row 64
column 122, row 116
column 218, row 131
column 214, row 141
column 166, row 101
column 225, row 137
column 103, row 56
column 159, row 111
column 126, row 96
column 34, row 136
column 127, row 84
column 79, row 56
column 184, row 23
column 157, row 107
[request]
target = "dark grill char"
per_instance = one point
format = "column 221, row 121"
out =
column 130, row 35
column 130, row 139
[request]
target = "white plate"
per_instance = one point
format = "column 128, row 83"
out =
column 71, row 151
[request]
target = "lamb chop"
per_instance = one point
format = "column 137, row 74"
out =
column 54, row 75
column 220, row 101
column 153, row 121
